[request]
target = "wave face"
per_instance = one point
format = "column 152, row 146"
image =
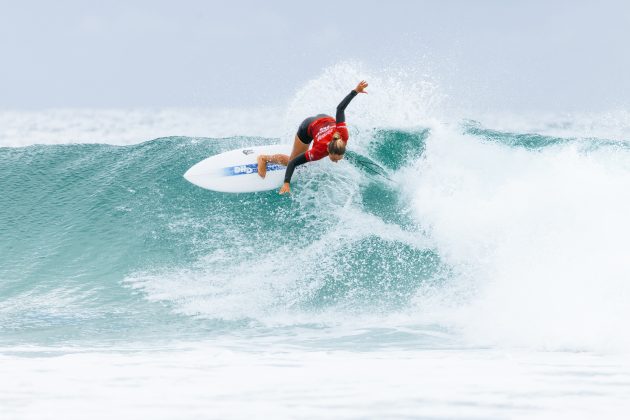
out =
column 100, row 240
column 499, row 237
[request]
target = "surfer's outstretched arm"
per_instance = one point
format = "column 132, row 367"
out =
column 341, row 116
column 297, row 161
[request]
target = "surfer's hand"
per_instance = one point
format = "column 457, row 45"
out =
column 286, row 188
column 361, row 87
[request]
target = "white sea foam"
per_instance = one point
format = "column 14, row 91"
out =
column 539, row 239
column 211, row 380
column 271, row 286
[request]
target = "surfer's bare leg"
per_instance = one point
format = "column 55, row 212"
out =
column 263, row 160
column 298, row 148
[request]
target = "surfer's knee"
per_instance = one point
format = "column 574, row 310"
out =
column 281, row 159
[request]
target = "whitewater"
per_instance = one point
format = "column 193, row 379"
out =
column 457, row 264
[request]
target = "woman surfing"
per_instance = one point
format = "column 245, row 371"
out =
column 329, row 136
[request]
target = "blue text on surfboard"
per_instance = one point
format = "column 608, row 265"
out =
column 249, row 169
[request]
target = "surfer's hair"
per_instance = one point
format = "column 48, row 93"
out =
column 337, row 146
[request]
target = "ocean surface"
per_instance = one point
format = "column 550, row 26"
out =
column 450, row 268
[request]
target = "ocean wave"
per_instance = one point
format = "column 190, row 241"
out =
column 500, row 236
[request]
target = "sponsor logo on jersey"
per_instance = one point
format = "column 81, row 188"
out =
column 324, row 131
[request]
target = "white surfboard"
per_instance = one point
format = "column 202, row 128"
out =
column 236, row 171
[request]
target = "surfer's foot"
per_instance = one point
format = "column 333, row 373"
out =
column 262, row 165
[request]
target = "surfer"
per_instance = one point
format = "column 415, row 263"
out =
column 329, row 136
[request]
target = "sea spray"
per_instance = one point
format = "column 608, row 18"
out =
column 538, row 238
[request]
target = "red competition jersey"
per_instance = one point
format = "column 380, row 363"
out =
column 322, row 130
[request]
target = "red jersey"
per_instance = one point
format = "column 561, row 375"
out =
column 322, row 130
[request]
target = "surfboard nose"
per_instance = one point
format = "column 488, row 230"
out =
column 187, row 175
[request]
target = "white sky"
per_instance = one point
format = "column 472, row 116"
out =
column 517, row 55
